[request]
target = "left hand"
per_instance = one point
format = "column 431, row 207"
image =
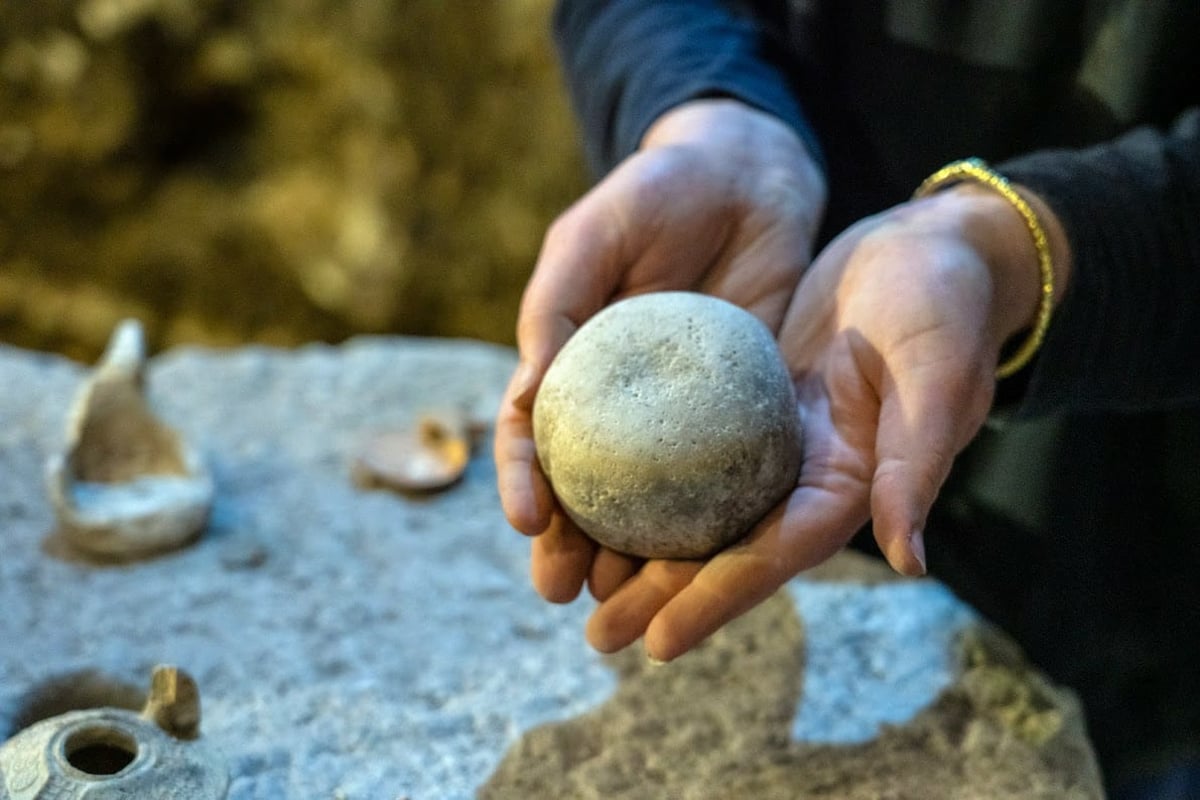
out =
column 892, row 339
column 721, row 198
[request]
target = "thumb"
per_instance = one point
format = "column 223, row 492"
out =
column 576, row 274
column 928, row 413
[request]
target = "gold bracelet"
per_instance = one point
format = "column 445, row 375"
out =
column 974, row 169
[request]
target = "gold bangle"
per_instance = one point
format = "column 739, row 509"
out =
column 974, row 169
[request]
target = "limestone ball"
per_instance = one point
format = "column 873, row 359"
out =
column 667, row 425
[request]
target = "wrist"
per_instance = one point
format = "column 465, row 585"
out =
column 1056, row 235
column 1001, row 236
column 747, row 137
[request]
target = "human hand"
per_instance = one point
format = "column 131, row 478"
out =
column 721, row 199
column 892, row 341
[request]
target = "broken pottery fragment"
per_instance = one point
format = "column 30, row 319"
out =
column 667, row 425
column 126, row 485
column 433, row 455
column 103, row 753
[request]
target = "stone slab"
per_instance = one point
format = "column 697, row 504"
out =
column 360, row 644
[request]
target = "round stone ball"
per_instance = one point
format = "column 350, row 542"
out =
column 667, row 425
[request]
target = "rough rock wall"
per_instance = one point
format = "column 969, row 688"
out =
column 274, row 171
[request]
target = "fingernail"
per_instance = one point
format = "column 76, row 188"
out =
column 655, row 662
column 916, row 546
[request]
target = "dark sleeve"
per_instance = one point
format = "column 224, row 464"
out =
column 628, row 61
column 1126, row 335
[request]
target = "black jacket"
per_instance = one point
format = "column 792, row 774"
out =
column 1077, row 525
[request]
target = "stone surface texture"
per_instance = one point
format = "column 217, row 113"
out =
column 361, row 645
column 667, row 425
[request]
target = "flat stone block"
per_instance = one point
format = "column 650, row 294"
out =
column 360, row 645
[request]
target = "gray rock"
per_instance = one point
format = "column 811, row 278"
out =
column 667, row 425
column 346, row 643
column 363, row 645
column 877, row 688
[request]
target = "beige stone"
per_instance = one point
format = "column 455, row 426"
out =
column 426, row 457
column 667, row 425
column 126, row 485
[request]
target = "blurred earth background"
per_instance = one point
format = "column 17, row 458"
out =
column 276, row 171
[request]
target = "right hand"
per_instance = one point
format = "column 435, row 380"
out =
column 892, row 341
column 721, row 199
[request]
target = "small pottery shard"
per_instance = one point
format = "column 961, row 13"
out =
column 431, row 456
column 126, row 485
column 174, row 703
column 103, row 753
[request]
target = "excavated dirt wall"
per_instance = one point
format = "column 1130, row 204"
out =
column 276, row 171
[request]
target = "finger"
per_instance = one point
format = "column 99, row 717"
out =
column 621, row 619
column 609, row 571
column 560, row 559
column 810, row 527
column 928, row 413
column 525, row 494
